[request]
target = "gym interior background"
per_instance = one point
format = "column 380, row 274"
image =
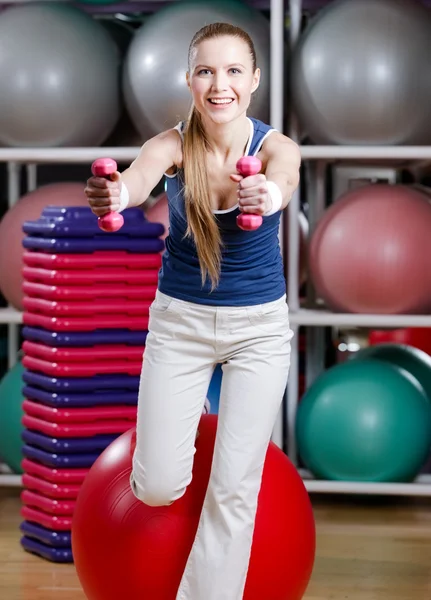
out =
column 350, row 81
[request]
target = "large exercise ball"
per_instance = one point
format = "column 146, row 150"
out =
column 157, row 211
column 11, row 414
column 154, row 83
column 364, row 420
column 371, row 251
column 412, row 360
column 123, row 548
column 304, row 233
column 29, row 208
column 361, row 73
column 59, row 73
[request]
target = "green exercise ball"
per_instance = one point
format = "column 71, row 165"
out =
column 11, row 414
column 364, row 420
column 415, row 361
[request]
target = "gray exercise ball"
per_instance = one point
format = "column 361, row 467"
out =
column 154, row 83
column 59, row 73
column 361, row 74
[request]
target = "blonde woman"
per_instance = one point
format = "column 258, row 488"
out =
column 220, row 299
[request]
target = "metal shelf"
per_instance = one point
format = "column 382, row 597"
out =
column 7, row 480
column 306, row 317
column 421, row 486
column 378, row 153
column 10, row 315
column 84, row 155
column 322, row 318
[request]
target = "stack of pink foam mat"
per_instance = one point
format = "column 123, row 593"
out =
column 86, row 311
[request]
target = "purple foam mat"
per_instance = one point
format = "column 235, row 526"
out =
column 80, row 339
column 62, row 461
column 55, row 539
column 93, row 244
column 96, row 398
column 59, row 555
column 67, row 445
column 81, row 384
column 79, row 221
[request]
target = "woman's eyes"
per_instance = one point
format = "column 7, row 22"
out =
column 233, row 70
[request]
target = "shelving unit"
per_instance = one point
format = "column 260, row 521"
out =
column 311, row 316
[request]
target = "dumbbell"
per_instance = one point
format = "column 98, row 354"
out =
column 112, row 221
column 246, row 166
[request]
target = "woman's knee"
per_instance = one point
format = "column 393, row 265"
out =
column 156, row 491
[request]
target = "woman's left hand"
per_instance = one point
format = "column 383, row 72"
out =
column 253, row 196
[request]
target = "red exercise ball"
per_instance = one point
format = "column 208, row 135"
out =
column 123, row 548
column 371, row 251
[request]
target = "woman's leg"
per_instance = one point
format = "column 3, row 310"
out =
column 177, row 368
column 254, row 380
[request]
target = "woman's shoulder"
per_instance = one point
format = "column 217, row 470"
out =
column 169, row 144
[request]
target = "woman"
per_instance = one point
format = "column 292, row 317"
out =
column 221, row 299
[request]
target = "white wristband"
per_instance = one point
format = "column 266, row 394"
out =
column 124, row 197
column 276, row 196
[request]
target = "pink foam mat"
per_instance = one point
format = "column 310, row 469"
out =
column 53, row 477
column 75, row 369
column 89, row 292
column 53, row 522
column 86, row 354
column 51, row 506
column 102, row 275
column 49, row 489
column 64, row 308
column 81, row 324
column 93, row 260
column 76, row 429
column 79, row 415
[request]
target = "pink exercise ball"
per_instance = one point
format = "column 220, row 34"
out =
column 157, row 211
column 29, row 208
column 303, row 245
column 371, row 251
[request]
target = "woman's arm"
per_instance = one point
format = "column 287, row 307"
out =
column 157, row 156
column 132, row 187
column 263, row 193
column 283, row 160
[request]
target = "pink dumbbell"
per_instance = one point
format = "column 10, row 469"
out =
column 246, row 166
column 113, row 221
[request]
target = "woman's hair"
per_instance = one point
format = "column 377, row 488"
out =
column 202, row 225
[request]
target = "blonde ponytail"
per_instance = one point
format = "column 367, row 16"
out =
column 202, row 226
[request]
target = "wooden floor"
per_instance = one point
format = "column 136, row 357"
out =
column 367, row 549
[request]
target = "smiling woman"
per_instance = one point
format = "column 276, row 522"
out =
column 222, row 76
column 220, row 300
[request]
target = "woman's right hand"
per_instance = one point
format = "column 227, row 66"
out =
column 103, row 194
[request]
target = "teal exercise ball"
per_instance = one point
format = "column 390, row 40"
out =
column 11, row 414
column 364, row 420
column 414, row 361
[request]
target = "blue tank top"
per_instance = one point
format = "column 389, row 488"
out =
column 251, row 262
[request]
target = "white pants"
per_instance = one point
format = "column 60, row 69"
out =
column 185, row 342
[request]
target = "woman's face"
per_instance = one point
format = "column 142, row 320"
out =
column 221, row 78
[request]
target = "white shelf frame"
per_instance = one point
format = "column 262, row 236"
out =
column 299, row 316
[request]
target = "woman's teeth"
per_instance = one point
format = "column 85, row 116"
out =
column 220, row 100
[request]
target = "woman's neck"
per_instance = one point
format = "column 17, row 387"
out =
column 228, row 140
